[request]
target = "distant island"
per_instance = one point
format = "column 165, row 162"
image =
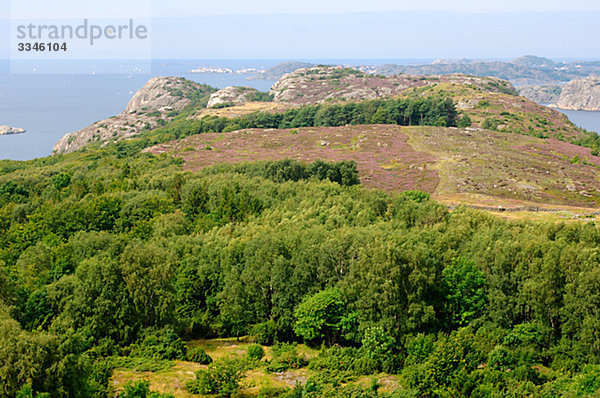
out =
column 7, row 130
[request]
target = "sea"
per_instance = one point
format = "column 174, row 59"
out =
column 51, row 104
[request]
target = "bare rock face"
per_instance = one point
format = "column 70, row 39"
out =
column 157, row 102
column 231, row 96
column 581, row 94
column 162, row 92
column 541, row 94
column 7, row 130
column 323, row 83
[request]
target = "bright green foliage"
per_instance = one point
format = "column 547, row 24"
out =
column 141, row 389
column 255, row 353
column 379, row 346
column 222, row 378
column 324, row 317
column 464, row 288
column 133, row 256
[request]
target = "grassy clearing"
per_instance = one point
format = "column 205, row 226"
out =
column 173, row 380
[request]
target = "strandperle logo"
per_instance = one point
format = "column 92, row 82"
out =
column 84, row 31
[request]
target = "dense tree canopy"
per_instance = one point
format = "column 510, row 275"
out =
column 129, row 257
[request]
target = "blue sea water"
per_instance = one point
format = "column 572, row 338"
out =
column 585, row 119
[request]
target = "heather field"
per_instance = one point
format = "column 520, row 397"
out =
column 384, row 158
column 470, row 166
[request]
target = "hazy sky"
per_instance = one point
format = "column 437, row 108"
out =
column 319, row 29
column 175, row 8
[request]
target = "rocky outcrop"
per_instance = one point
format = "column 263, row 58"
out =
column 232, row 96
column 277, row 72
column 325, row 83
column 163, row 92
column 7, row 130
column 544, row 94
column 161, row 99
column 581, row 94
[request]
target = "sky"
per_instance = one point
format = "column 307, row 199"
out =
column 180, row 8
column 334, row 29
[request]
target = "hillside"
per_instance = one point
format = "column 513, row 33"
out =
column 539, row 165
column 124, row 275
column 158, row 102
column 455, row 165
column 325, row 243
column 325, row 83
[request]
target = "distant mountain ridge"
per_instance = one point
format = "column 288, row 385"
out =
column 525, row 70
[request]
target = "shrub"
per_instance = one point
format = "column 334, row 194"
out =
column 285, row 356
column 490, row 124
column 222, row 378
column 163, row 344
column 141, row 389
column 264, row 333
column 255, row 353
column 464, row 121
column 198, row 355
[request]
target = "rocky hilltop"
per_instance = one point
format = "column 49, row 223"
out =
column 581, row 94
column 161, row 99
column 7, row 130
column 277, row 71
column 326, row 83
column 542, row 94
column 232, row 96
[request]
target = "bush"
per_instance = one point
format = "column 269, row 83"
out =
column 490, row 124
column 264, row 333
column 198, row 355
column 163, row 344
column 141, row 389
column 222, row 378
column 255, row 353
column 464, row 121
column 285, row 356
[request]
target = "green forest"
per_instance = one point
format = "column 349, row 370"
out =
column 111, row 258
column 109, row 261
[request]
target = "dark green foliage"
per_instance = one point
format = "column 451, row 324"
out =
column 132, row 256
column 344, row 172
column 264, row 333
column 464, row 121
column 160, row 345
column 61, row 181
column 198, row 355
column 429, row 111
column 285, row 356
